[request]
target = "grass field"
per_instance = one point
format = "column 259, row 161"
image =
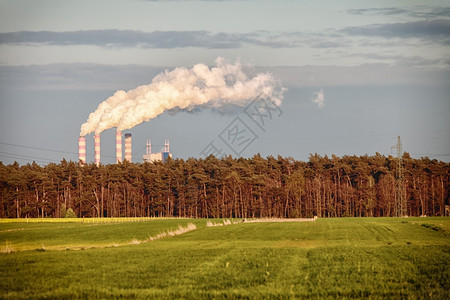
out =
column 344, row 258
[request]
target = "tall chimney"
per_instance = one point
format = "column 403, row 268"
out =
column 97, row 149
column 166, row 146
column 149, row 147
column 82, row 150
column 128, row 146
column 119, row 146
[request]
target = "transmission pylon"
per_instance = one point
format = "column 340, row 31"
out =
column 400, row 190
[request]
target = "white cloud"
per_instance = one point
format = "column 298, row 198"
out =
column 319, row 98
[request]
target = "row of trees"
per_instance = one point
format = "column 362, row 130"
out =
column 228, row 187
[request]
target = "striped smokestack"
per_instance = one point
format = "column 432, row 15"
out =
column 82, row 150
column 119, row 146
column 97, row 149
column 128, row 146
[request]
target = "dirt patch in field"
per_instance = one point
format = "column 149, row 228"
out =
column 264, row 220
column 278, row 220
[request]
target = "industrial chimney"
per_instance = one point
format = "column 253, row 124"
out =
column 119, row 146
column 166, row 146
column 97, row 149
column 149, row 147
column 128, row 146
column 82, row 149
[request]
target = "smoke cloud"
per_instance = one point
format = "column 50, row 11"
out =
column 183, row 89
column 319, row 98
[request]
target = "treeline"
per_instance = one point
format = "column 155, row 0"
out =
column 256, row 187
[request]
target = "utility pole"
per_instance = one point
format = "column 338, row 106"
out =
column 401, row 199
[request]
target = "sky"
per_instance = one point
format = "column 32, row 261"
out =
column 355, row 75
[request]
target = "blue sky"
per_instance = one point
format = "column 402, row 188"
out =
column 382, row 67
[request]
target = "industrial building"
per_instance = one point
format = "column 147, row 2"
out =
column 159, row 156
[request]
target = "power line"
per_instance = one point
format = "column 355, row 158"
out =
column 30, row 159
column 22, row 156
column 50, row 150
column 36, row 148
column 430, row 154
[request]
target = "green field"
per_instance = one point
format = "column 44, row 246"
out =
column 343, row 258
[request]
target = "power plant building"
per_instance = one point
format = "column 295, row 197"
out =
column 159, row 156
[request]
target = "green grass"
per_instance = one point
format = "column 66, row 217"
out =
column 329, row 258
column 52, row 235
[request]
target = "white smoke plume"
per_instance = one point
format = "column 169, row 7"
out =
column 183, row 89
column 319, row 98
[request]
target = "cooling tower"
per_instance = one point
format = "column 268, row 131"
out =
column 97, row 149
column 128, row 146
column 82, row 149
column 119, row 146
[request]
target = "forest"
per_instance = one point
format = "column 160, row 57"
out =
column 256, row 187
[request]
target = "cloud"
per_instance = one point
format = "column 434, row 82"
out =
column 113, row 38
column 155, row 39
column 439, row 28
column 319, row 98
column 123, row 38
column 377, row 11
column 416, row 11
column 412, row 61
